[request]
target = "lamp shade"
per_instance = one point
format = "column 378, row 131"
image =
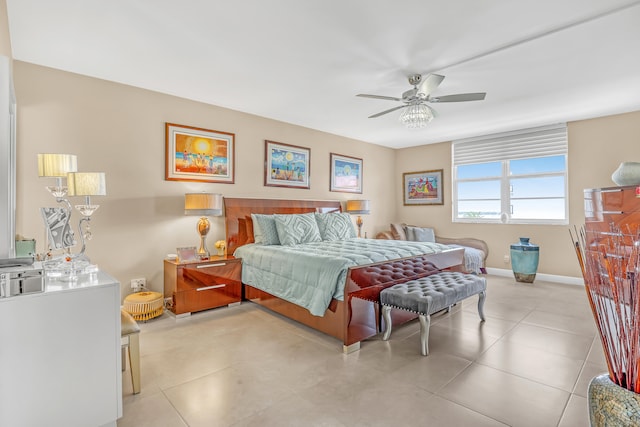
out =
column 86, row 184
column 358, row 206
column 203, row 204
column 56, row 165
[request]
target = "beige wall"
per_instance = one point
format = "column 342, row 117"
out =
column 119, row 130
column 5, row 40
column 596, row 148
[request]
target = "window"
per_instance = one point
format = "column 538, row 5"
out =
column 513, row 178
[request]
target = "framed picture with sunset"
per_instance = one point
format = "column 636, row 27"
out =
column 196, row 154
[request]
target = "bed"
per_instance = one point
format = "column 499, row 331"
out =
column 352, row 310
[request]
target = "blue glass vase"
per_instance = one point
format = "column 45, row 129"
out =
column 524, row 260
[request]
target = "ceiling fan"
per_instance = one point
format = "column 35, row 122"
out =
column 418, row 113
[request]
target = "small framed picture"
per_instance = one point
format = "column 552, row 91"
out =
column 196, row 154
column 422, row 188
column 346, row 174
column 286, row 165
column 186, row 254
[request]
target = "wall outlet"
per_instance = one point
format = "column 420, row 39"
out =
column 138, row 283
column 506, row 259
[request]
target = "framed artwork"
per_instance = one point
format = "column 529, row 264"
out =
column 196, row 154
column 422, row 188
column 346, row 174
column 286, row 165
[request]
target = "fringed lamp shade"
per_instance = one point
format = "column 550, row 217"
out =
column 56, row 165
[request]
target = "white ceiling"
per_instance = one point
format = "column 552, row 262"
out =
column 303, row 62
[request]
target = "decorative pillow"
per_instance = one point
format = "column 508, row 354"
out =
column 397, row 231
column 420, row 234
column 297, row 228
column 264, row 229
column 335, row 226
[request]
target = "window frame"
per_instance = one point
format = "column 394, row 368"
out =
column 560, row 148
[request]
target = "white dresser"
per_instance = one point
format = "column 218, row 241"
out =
column 60, row 361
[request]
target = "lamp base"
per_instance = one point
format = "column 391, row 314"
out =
column 203, row 230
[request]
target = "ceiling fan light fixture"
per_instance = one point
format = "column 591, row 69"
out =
column 416, row 116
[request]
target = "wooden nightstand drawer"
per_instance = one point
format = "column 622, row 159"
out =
column 205, row 298
column 209, row 273
column 203, row 285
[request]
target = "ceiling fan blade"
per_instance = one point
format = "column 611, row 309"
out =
column 388, row 98
column 459, row 97
column 430, row 83
column 387, row 111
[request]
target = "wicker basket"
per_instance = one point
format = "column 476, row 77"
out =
column 144, row 305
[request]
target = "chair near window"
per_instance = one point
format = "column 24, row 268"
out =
column 130, row 331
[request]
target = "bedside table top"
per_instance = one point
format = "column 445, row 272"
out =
column 212, row 258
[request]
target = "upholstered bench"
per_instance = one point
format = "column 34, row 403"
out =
column 428, row 295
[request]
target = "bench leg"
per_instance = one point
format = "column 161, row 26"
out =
column 481, row 298
column 386, row 315
column 425, row 323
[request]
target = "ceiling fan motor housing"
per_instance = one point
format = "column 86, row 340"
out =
column 415, row 79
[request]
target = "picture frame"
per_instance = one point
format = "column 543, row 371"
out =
column 186, row 254
column 346, row 174
column 197, row 154
column 286, row 165
column 423, row 188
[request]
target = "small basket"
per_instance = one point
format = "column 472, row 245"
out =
column 144, row 305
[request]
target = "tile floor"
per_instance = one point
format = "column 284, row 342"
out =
column 529, row 364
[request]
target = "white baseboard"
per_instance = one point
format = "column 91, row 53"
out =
column 568, row 280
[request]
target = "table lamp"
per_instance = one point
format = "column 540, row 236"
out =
column 203, row 204
column 86, row 184
column 358, row 207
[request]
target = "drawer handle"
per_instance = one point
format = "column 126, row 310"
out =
column 212, row 265
column 206, row 288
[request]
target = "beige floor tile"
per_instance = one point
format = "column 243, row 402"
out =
column 507, row 398
column 149, row 410
column 291, row 412
column 224, row 397
column 558, row 342
column 467, row 344
column 576, row 414
column 561, row 322
column 439, row 412
column 596, row 353
column 431, row 372
column 534, row 364
column 469, row 320
column 589, row 371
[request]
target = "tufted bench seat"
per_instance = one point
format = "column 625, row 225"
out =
column 429, row 295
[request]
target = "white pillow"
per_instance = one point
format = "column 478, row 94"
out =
column 420, row 234
column 264, row 229
column 335, row 226
column 297, row 228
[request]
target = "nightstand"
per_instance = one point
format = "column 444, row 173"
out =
column 201, row 285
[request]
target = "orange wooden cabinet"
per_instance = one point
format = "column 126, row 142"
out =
column 201, row 285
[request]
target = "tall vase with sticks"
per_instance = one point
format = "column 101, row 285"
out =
column 610, row 264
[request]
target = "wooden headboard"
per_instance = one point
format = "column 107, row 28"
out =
column 238, row 215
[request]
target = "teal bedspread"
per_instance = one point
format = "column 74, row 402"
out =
column 311, row 274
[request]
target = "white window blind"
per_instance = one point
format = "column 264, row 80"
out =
column 521, row 144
